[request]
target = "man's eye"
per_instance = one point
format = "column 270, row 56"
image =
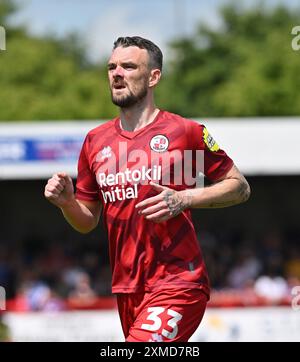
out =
column 129, row 66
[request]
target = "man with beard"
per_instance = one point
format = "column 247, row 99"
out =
column 159, row 275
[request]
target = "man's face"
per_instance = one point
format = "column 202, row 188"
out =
column 128, row 74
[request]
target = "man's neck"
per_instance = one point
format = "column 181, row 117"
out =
column 137, row 117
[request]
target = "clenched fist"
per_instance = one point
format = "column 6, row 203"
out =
column 59, row 189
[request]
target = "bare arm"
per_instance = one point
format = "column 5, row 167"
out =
column 83, row 216
column 230, row 190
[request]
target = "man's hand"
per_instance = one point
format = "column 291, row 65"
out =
column 60, row 190
column 167, row 204
column 82, row 215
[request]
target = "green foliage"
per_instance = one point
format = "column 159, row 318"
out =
column 50, row 79
column 247, row 68
column 7, row 7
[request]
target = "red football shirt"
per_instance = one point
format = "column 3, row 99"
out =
column 115, row 167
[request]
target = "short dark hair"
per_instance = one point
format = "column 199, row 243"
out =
column 155, row 54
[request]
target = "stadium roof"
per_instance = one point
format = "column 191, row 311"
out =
column 259, row 146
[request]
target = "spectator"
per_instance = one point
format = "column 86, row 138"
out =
column 272, row 288
column 83, row 295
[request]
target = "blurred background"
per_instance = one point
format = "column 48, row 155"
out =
column 228, row 64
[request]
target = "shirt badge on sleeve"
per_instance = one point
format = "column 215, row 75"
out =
column 209, row 141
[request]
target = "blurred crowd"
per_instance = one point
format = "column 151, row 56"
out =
column 56, row 276
column 266, row 266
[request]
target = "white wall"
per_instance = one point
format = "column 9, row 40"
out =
column 230, row 324
column 259, row 146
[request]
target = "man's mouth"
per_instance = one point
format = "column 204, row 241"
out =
column 119, row 86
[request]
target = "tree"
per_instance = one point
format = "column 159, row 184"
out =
column 7, row 8
column 49, row 79
column 246, row 68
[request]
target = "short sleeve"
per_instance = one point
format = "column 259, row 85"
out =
column 86, row 185
column 216, row 161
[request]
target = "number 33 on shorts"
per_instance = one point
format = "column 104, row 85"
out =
column 160, row 315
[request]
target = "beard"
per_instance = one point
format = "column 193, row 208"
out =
column 130, row 99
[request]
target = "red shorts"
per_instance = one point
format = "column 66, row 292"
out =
column 169, row 315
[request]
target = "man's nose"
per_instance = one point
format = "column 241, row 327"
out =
column 118, row 72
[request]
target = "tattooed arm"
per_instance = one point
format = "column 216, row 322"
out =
column 230, row 190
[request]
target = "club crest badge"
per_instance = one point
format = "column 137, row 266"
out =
column 159, row 143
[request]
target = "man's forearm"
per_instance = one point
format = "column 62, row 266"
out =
column 79, row 216
column 232, row 190
column 223, row 194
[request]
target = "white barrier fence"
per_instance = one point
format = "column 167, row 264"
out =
column 36, row 150
column 222, row 324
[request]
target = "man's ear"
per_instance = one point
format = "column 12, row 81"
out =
column 154, row 77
